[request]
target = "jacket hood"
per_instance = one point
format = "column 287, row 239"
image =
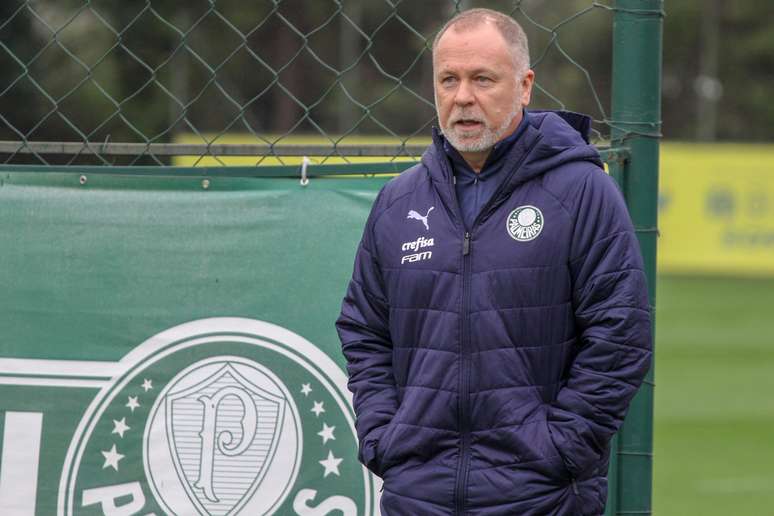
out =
column 551, row 139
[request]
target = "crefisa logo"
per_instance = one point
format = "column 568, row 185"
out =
column 222, row 416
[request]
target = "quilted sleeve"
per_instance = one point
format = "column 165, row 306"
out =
column 613, row 324
column 363, row 328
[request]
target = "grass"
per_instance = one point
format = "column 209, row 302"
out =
column 714, row 414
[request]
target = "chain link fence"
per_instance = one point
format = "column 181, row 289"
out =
column 132, row 87
column 97, row 82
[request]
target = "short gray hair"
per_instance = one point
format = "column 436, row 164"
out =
column 509, row 28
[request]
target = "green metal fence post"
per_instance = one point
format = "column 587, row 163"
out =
column 636, row 115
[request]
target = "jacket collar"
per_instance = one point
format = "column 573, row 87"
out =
column 549, row 140
column 437, row 163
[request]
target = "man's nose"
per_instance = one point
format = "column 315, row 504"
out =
column 464, row 94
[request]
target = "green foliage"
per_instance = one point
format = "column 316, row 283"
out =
column 745, row 58
column 151, row 71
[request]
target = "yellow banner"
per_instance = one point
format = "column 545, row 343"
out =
column 716, row 209
column 331, row 159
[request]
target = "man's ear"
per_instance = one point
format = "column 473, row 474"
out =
column 526, row 87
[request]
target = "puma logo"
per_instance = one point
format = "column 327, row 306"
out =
column 415, row 215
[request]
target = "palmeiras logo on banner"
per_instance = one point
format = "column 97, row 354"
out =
column 222, row 416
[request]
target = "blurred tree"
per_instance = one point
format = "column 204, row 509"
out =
column 707, row 86
column 17, row 94
column 722, row 51
column 746, row 69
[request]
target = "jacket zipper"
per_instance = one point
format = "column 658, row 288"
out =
column 464, row 418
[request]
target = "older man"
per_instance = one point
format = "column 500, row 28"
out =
column 497, row 325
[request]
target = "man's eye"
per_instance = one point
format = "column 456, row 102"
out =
column 446, row 81
column 483, row 80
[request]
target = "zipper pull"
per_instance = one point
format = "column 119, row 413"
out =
column 466, row 244
column 575, row 486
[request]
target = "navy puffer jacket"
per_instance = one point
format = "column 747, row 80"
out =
column 490, row 367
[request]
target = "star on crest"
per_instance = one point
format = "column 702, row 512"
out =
column 318, row 408
column 119, row 427
column 306, row 389
column 112, row 457
column 132, row 403
column 331, row 465
column 327, row 433
column 147, row 385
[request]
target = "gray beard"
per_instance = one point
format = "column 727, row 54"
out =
column 485, row 141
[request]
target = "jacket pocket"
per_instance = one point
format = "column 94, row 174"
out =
column 553, row 454
column 383, row 447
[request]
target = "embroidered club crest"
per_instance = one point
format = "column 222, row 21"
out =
column 525, row 223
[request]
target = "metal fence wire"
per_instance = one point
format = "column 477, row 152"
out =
column 219, row 82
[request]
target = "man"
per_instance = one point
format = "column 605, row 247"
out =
column 497, row 325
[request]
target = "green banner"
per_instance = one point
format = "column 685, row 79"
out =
column 168, row 345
